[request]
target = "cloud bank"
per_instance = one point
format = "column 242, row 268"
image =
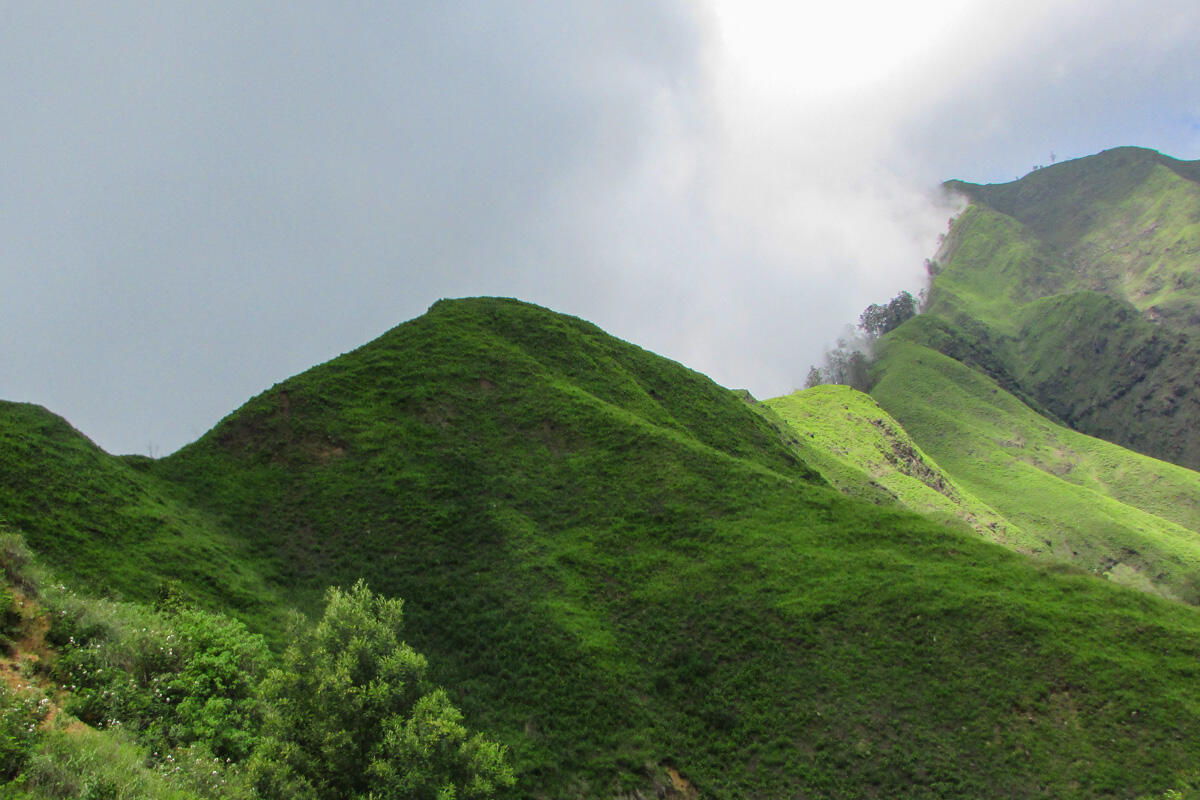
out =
column 198, row 201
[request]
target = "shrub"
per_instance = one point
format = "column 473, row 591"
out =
column 353, row 714
column 17, row 563
column 20, row 716
column 175, row 678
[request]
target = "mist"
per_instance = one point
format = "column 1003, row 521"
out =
column 201, row 201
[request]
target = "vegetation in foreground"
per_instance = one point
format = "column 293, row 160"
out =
column 620, row 571
column 123, row 700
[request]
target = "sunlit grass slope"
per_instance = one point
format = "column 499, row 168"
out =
column 1095, row 504
column 1077, row 288
column 108, row 526
column 849, row 478
column 1127, row 220
column 850, row 426
column 619, row 568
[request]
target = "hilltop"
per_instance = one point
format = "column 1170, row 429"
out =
column 1061, row 304
column 1076, row 288
column 628, row 576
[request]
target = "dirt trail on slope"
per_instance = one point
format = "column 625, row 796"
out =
column 20, row 665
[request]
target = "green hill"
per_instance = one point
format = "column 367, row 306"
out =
column 1063, row 297
column 1077, row 289
column 622, row 568
column 863, row 446
column 1083, row 500
column 108, row 525
column 623, row 572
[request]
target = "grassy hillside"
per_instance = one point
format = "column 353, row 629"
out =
column 869, row 446
column 1078, row 286
column 109, row 526
column 1095, row 504
column 1127, row 220
column 622, row 571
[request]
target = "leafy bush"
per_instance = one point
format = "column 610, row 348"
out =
column 20, row 716
column 16, row 565
column 353, row 715
column 175, row 678
column 10, row 616
column 16, row 561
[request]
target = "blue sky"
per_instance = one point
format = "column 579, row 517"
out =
column 199, row 200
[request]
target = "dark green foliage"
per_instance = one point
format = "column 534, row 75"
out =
column 10, row 616
column 20, row 715
column 877, row 320
column 191, row 688
column 353, row 715
column 175, row 679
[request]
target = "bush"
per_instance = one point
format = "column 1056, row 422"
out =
column 354, row 715
column 20, row 718
column 176, row 678
column 10, row 617
column 16, row 561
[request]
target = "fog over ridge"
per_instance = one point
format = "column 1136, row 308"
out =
column 200, row 201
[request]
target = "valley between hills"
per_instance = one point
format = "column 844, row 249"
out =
column 564, row 566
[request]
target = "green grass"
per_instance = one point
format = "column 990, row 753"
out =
column 107, row 765
column 1084, row 500
column 870, row 446
column 109, row 526
column 991, row 264
column 616, row 566
column 1076, row 289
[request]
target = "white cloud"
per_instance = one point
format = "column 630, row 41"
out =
column 196, row 203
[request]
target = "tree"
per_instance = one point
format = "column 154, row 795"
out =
column 903, row 307
column 877, row 320
column 858, row 371
column 845, row 364
column 352, row 714
column 873, row 320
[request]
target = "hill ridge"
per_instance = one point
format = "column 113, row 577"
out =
column 618, row 569
column 1077, row 287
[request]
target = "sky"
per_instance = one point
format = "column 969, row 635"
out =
column 198, row 200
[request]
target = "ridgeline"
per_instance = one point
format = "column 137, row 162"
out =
column 643, row 585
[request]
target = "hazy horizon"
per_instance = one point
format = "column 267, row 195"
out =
column 202, row 201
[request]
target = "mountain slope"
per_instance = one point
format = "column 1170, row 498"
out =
column 108, row 525
column 1077, row 288
column 1087, row 501
column 862, row 438
column 622, row 571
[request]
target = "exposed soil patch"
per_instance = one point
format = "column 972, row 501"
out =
column 20, row 666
